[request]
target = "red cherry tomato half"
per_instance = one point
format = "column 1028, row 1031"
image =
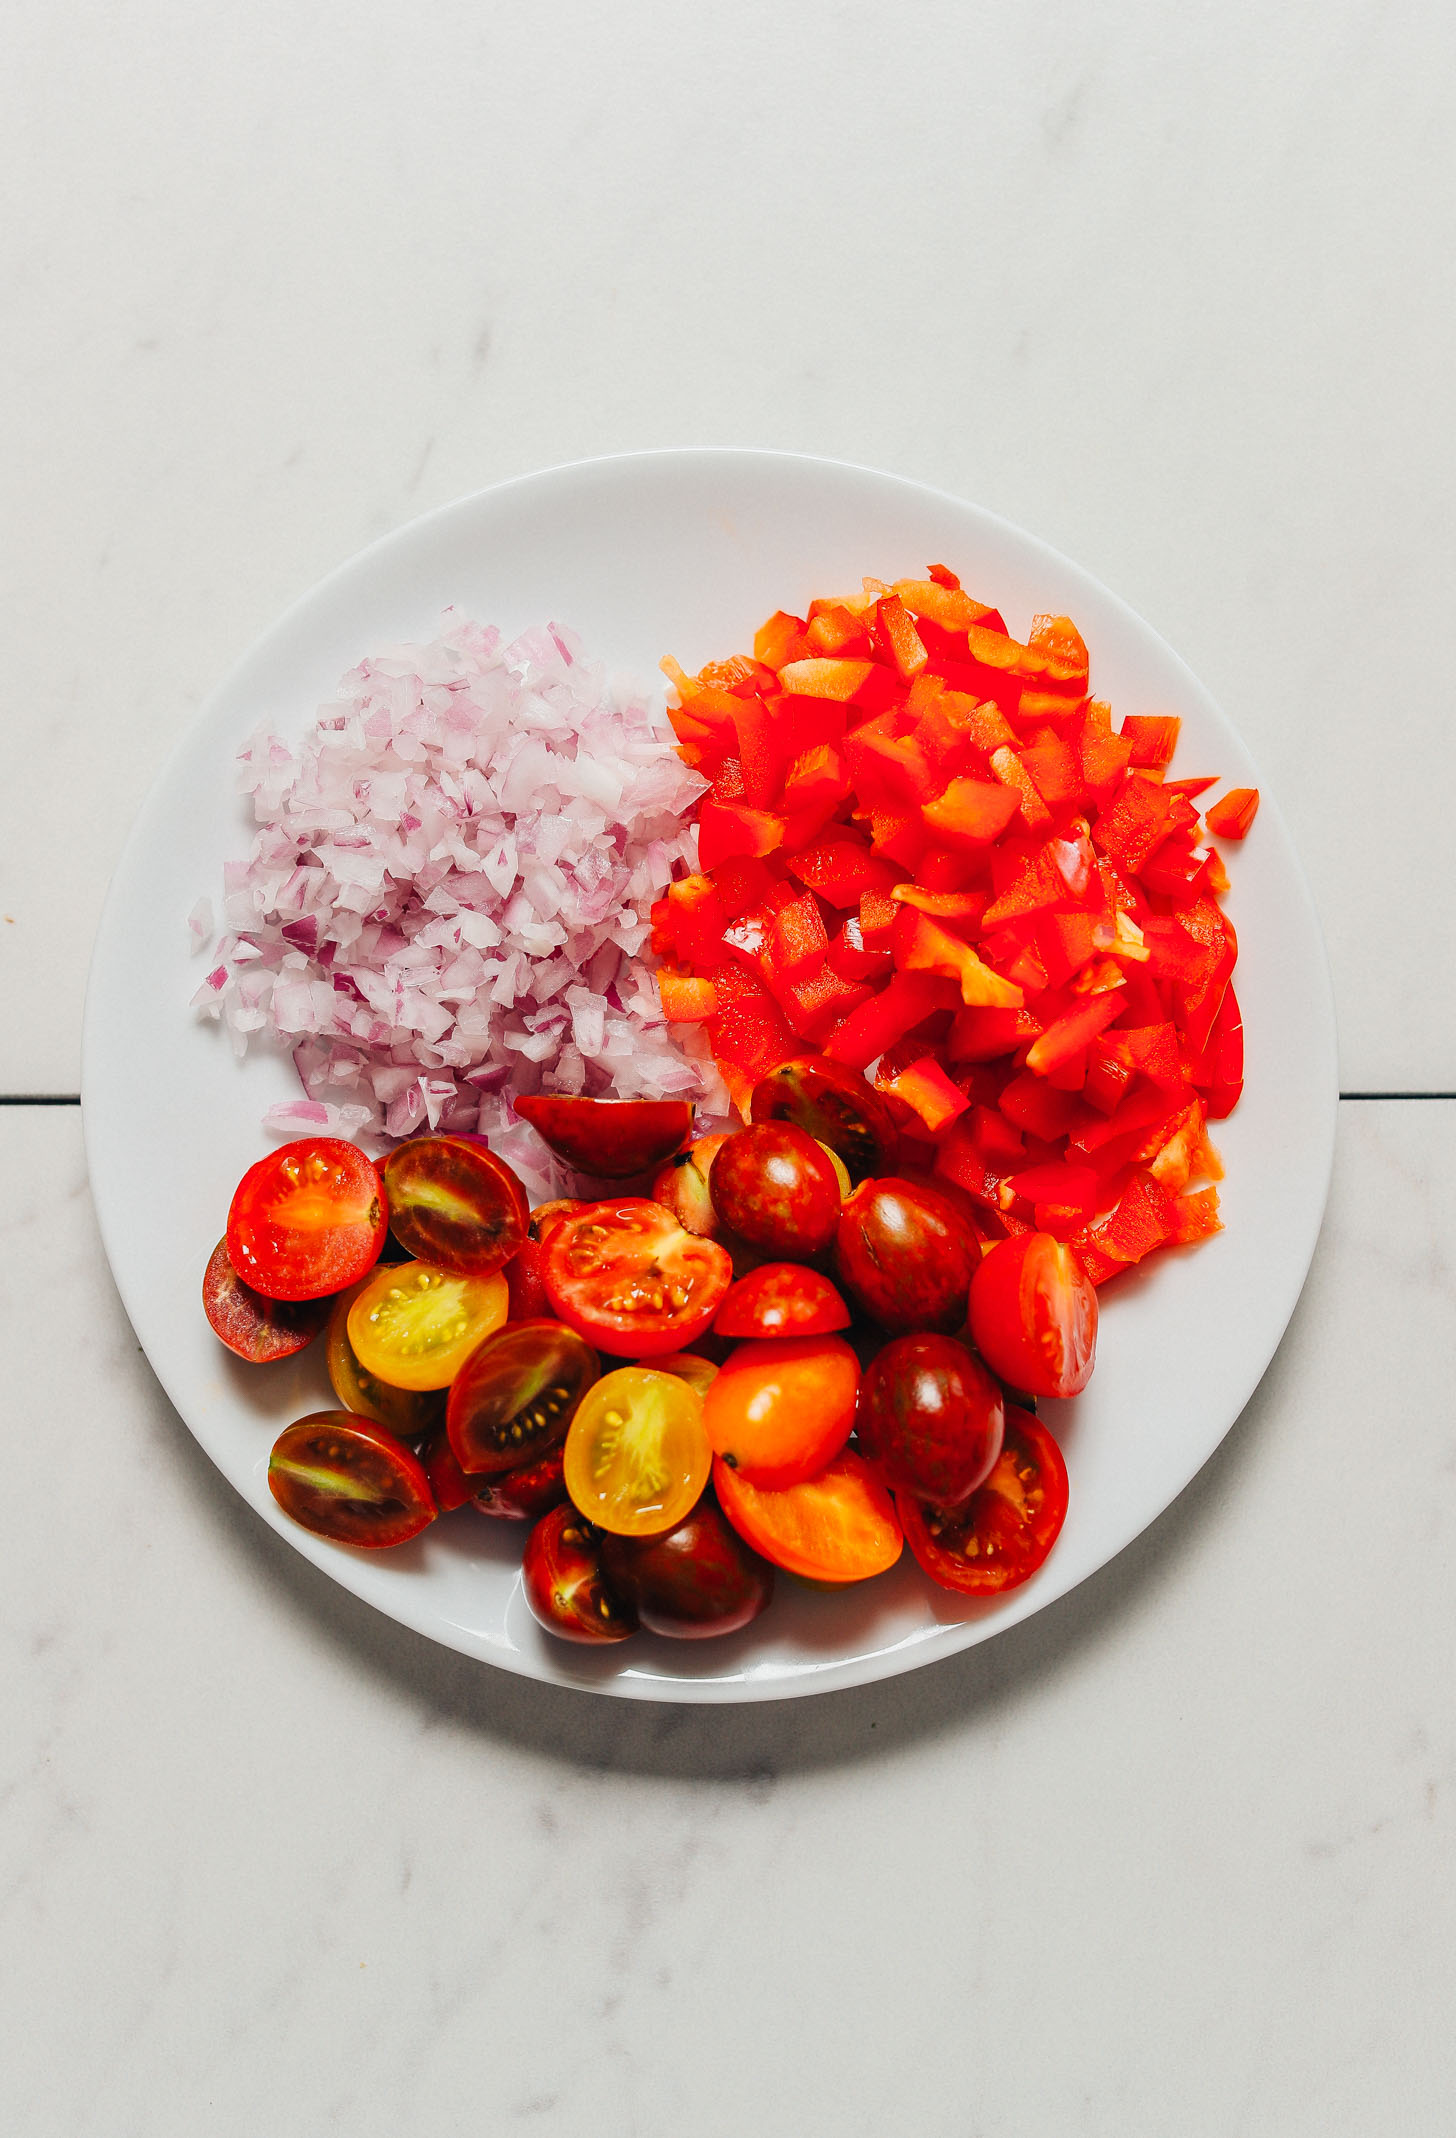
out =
column 612, row 1138
column 628, row 1278
column 931, row 1418
column 346, row 1478
column 776, row 1188
column 564, row 1584
column 454, row 1204
column 839, row 1526
column 1004, row 1532
column 257, row 1329
column 1034, row 1315
column 307, row 1220
column 834, row 1105
column 693, row 1581
column 781, row 1299
column 778, row 1410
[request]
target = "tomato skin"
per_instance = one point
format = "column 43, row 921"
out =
column 522, row 1495
column 610, row 1138
column 681, row 1186
column 931, row 1418
column 515, row 1396
column 781, row 1299
column 564, row 1584
column 626, row 1276
column 781, row 1408
column 840, row 1526
column 528, row 1301
column 906, row 1255
column 834, row 1105
column 413, row 1325
column 1033, row 1314
column 546, row 1216
column 689, row 1366
column 346, row 1478
column 255, row 1328
column 307, row 1220
column 448, row 1482
column 409, row 1413
column 1004, row 1532
column 454, row 1204
column 694, row 1581
column 774, row 1186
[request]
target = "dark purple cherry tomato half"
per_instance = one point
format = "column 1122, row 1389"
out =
column 776, row 1188
column 564, row 1583
column 454, row 1204
column 612, row 1138
column 930, row 1418
column 516, row 1394
column 834, row 1105
column 906, row 1255
column 348, row 1479
column 522, row 1495
column 692, row 1582
column 782, row 1299
column 257, row 1329
column 1003, row 1533
column 307, row 1220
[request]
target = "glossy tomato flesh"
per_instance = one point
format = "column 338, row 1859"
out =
column 780, row 1408
column 411, row 1413
column 1033, row 1312
column 930, row 1418
column 839, row 1526
column 1004, row 1531
column 694, row 1581
column 628, row 1278
column 637, row 1455
column 775, row 1187
column 522, row 1495
column 516, row 1394
column 348, row 1479
column 611, row 1138
column 564, row 1584
column 906, row 1256
column 257, row 1329
column 414, row 1325
column 307, row 1220
column 833, row 1104
column 781, row 1299
column 454, row 1204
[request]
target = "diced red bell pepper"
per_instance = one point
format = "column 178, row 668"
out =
column 1068, row 1190
column 1219, row 1070
column 781, row 640
column 811, row 723
column 1038, row 1107
column 998, row 1142
column 729, row 828
column 1141, row 1220
column 815, row 778
column 742, row 883
column 922, row 945
column 1007, row 767
column 1176, row 870
column 942, row 575
column 1056, row 771
column 1144, row 1105
column 841, row 868
column 877, row 916
column 1065, row 944
column 1108, row 1078
column 820, row 1001
column 1151, row 1050
column 965, row 908
column 940, row 602
column 926, row 1087
column 1105, row 756
column 888, row 1016
column 686, row 1000
column 834, row 629
column 889, row 771
column 762, row 752
column 851, row 960
column 1039, row 886
column 798, row 939
column 1136, row 821
column 696, row 920
column 896, row 630
column 973, row 811
column 982, row 1035
column 749, row 1031
column 1195, row 1217
column 1060, row 649
column 1190, row 789
column 1197, row 1000
column 1232, row 814
column 1154, row 737
column 951, row 868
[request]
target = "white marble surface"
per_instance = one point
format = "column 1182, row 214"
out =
column 1172, row 289
column 1174, row 1856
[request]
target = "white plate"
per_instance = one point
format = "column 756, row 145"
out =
column 685, row 553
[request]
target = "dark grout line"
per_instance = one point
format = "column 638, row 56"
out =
column 40, row 1098
column 1398, row 1094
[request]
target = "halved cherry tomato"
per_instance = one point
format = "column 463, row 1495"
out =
column 681, row 1186
column 781, row 1408
column 781, row 1299
column 409, row 1412
column 522, row 1495
column 546, row 1216
column 523, row 1282
column 414, row 1325
column 453, row 1203
column 636, row 1455
column 612, row 1138
column 1002, row 1534
column 774, row 1186
column 346, row 1478
column 839, row 1526
column 1034, row 1315
column 834, row 1105
column 696, row 1580
column 307, row 1220
column 257, row 1329
column 629, row 1279
column 515, row 1395
column 562, row 1577
column 931, row 1418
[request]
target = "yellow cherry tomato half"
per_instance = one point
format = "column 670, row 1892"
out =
column 409, row 1412
column 637, row 1455
column 414, row 1325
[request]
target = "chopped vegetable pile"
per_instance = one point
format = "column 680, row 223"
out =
column 927, row 852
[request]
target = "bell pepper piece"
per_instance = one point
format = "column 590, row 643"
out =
column 926, row 1087
column 963, row 907
column 729, row 828
column 742, row 883
column 984, row 1035
column 1007, row 767
column 1065, row 944
column 820, row 1001
column 899, row 836
column 1060, row 648
column 1233, row 813
column 877, row 912
column 780, row 641
column 1039, row 886
column 849, row 957
column 1152, row 1050
column 762, row 752
column 950, row 868
column 1153, row 736
column 686, row 1000
column 1195, row 1217
column 895, row 628
column 877, row 1024
column 834, row 629
column 841, row 868
column 1219, row 1070
column 1136, row 821
column 971, row 811
column 999, row 1143
column 798, row 939
column 1036, row 1106
column 935, row 602
column 1141, row 1220
column 821, row 678
column 1108, row 1077
column 749, row 1031
column 1190, row 789
column 889, row 771
column 1056, row 771
column 922, row 945
column 695, row 920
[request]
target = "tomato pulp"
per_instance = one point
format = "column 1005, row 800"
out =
column 1003, row 1533
column 307, row 1220
column 627, row 1277
column 1033, row 1313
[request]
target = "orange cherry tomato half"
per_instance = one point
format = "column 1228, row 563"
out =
column 1004, row 1531
column 414, row 1325
column 453, row 1203
column 346, row 1478
column 781, row 1299
column 307, row 1220
column 778, row 1410
column 257, row 1329
column 839, row 1526
column 628, row 1278
column 1034, row 1315
column 612, row 1138
column 636, row 1455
